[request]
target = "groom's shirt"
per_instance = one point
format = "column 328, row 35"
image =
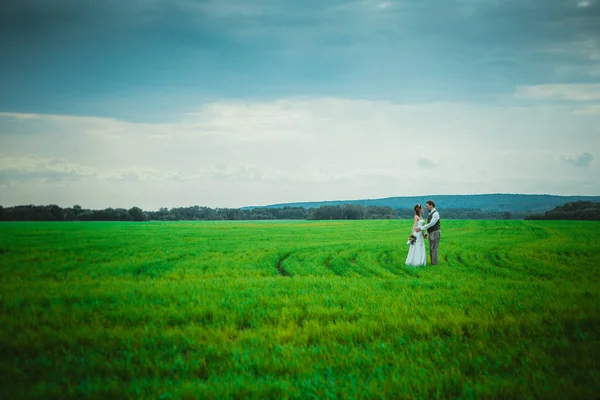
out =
column 435, row 217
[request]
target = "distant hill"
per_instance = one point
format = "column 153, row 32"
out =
column 529, row 203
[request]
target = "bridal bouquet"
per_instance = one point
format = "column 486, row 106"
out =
column 412, row 239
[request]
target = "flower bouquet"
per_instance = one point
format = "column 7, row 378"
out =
column 411, row 239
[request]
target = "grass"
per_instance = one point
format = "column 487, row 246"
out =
column 300, row 309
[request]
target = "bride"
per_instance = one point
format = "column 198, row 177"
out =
column 417, row 256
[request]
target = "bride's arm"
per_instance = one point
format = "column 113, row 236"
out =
column 414, row 224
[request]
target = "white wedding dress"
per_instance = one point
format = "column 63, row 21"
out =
column 417, row 257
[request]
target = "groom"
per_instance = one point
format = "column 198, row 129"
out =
column 433, row 227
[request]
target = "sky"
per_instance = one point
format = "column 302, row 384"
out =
column 231, row 103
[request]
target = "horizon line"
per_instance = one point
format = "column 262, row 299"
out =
column 432, row 197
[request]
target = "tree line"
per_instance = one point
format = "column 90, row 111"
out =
column 578, row 210
column 77, row 213
column 327, row 212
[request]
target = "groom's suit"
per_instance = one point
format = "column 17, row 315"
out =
column 433, row 228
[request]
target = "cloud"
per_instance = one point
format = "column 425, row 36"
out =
column 578, row 58
column 584, row 4
column 15, row 169
column 239, row 152
column 411, row 52
column 236, row 102
column 579, row 70
column 591, row 110
column 19, row 169
column 568, row 92
column 585, row 46
column 59, row 118
column 428, row 163
column 40, row 169
column 579, row 160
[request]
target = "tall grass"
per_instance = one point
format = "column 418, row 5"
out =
column 298, row 309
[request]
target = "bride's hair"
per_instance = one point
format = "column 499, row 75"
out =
column 417, row 209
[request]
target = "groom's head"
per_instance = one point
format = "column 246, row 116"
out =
column 430, row 205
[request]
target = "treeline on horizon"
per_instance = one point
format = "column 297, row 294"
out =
column 578, row 210
column 194, row 213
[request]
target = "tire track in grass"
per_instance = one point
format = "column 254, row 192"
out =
column 494, row 258
column 491, row 264
column 280, row 268
column 158, row 268
column 329, row 267
column 343, row 263
column 386, row 260
column 153, row 269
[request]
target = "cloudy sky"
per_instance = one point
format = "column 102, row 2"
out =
column 227, row 103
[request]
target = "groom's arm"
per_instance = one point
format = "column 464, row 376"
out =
column 434, row 219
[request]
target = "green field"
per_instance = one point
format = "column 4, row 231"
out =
column 303, row 309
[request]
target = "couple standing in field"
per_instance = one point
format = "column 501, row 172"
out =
column 417, row 256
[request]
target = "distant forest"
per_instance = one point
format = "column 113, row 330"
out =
column 337, row 212
column 488, row 206
column 579, row 210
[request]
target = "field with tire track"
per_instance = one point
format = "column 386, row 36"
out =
column 298, row 309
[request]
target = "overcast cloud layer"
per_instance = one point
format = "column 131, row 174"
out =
column 233, row 103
